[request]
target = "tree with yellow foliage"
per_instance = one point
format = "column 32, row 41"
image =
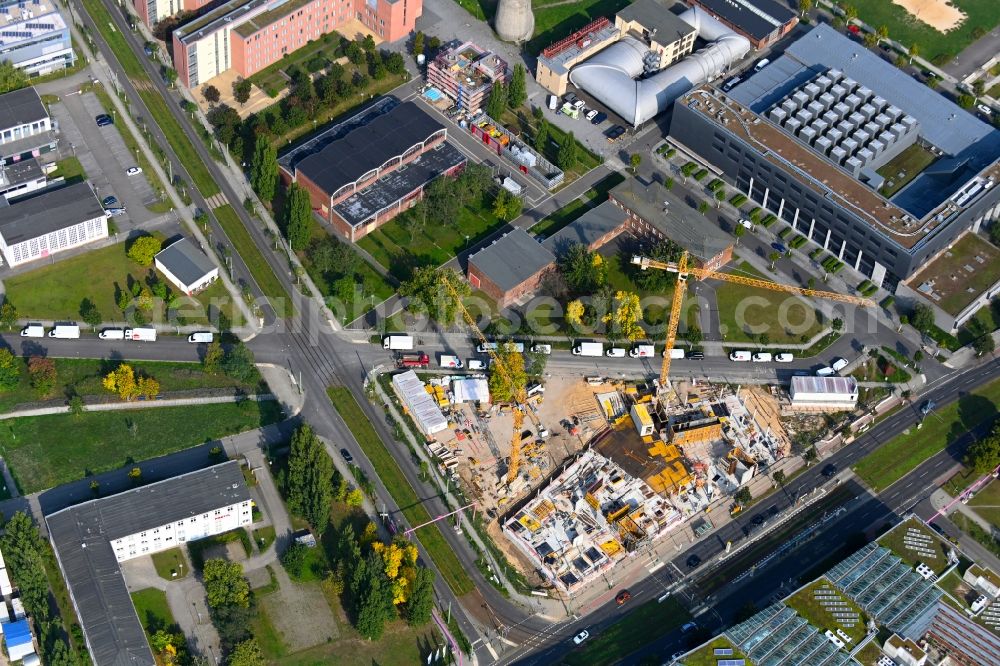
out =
column 122, row 381
column 504, row 386
column 623, row 320
column 574, row 314
column 148, row 387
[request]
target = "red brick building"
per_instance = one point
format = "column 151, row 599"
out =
column 152, row 12
column 365, row 178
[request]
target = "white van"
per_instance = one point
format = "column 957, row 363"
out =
column 784, row 358
column 675, row 352
column 201, row 336
column 65, row 331
column 141, row 334
column 33, row 331
column 553, row 102
column 761, row 65
column 762, row 357
column 112, row 334
column 476, row 364
column 825, row 372
column 838, row 364
column 615, row 352
column 740, row 356
column 542, row 349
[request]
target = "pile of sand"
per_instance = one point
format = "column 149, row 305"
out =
column 938, row 14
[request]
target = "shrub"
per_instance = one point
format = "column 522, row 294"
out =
column 797, row 242
column 701, row 175
column 768, row 220
column 755, row 214
column 738, row 200
column 716, row 184
column 816, row 254
column 785, row 233
column 671, row 152
column 887, row 302
column 688, row 168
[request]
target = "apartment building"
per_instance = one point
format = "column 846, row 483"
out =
column 466, row 74
column 152, row 12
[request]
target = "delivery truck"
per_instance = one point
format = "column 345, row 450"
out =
column 398, row 342
column 588, row 349
column 112, row 334
column 642, row 351
column 675, row 352
column 33, row 331
column 65, row 331
column 449, row 361
column 141, row 334
column 414, row 360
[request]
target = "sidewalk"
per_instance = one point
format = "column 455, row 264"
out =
column 138, row 404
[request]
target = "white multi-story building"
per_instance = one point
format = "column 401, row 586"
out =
column 51, row 221
column 91, row 539
column 25, row 127
column 34, row 36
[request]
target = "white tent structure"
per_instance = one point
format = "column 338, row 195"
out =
column 470, row 389
column 420, row 405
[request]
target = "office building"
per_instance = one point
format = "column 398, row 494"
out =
column 93, row 538
column 34, row 36
column 52, row 221
column 26, row 129
column 186, row 266
column 819, row 137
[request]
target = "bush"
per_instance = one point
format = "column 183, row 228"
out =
column 738, row 200
column 816, row 254
column 867, row 288
column 701, row 175
column 887, row 302
column 785, row 233
column 143, row 249
column 797, row 242
column 755, row 214
column 715, row 185
column 671, row 152
column 688, row 168
column 768, row 220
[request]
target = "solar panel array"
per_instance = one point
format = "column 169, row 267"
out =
column 778, row 636
column 834, row 604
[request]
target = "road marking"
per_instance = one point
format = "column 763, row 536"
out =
column 656, row 567
column 493, row 653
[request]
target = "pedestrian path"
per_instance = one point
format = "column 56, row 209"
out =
column 138, row 404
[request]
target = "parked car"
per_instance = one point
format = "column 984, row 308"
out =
column 762, row 357
column 581, row 637
column 784, row 358
column 476, row 364
column 623, row 597
column 591, row 115
column 825, row 372
column 693, row 561
column 114, row 212
column 133, row 171
column 740, row 356
column 346, row 455
column 579, row 104
column 570, row 97
column 542, row 349
column 759, row 520
column 614, row 133
column 690, row 626
column 104, row 120
column 838, row 364
column 761, row 65
column 697, row 356
column 599, row 118
column 746, row 223
column 107, row 202
column 201, row 337
column 830, row 470
column 985, row 110
column 616, row 352
column 779, row 247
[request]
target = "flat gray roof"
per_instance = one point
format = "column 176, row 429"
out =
column 757, row 18
column 186, row 262
column 16, row 173
column 21, row 107
column 512, row 259
column 688, row 228
column 81, row 536
column 41, row 213
column 656, row 17
column 588, row 228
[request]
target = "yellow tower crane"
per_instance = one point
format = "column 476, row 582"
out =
column 518, row 392
column 683, row 271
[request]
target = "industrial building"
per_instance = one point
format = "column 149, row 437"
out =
column 641, row 64
column 763, row 22
column 51, row 221
column 815, row 135
column 186, row 266
column 250, row 35
column 510, row 267
column 26, row 129
column 360, row 180
column 823, row 394
column 466, row 74
column 34, row 36
column 92, row 539
column 20, row 178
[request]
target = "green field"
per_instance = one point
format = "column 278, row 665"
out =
column 157, row 106
column 805, row 604
column 987, row 503
column 57, row 290
column 170, row 562
column 909, row 163
column 400, row 251
column 555, row 19
column 153, row 610
column 400, row 645
column 70, row 169
column 643, row 625
column 262, row 272
column 743, row 309
column 392, row 477
column 82, row 376
column 575, row 209
column 938, row 47
column 47, row 451
column 904, row 452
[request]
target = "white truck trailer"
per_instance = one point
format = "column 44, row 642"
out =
column 141, row 334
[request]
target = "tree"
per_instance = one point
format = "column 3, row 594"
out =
column 497, row 101
column 372, row 592
column 505, row 386
column 308, row 478
column 742, row 496
column 720, row 196
column 779, row 477
column 211, row 94
column 421, row 602
column 903, row 321
column 239, row 363
column 225, row 584
column 623, row 320
column 428, row 295
column 473, row 182
column 693, row 334
column 984, row 454
column 11, row 77
column 979, row 87
column 8, row 313
column 669, row 183
column 442, row 202
column 882, row 33
column 368, row 43
column 582, row 269
column 517, row 92
column 89, row 312
column 297, row 214
column 241, row 90
column 169, row 75
column 214, row 355
column 225, row 120
column 634, row 161
column 994, row 238
column 10, row 371
column 837, row 324
column 246, row 653
column 922, row 317
column 148, row 387
column 568, row 154
column 984, row 344
column 850, row 12
column 434, row 43
column 507, row 206
column 77, row 406
column 966, row 101
column 739, row 231
column 143, row 249
column 22, row 549
column 805, row 6
column 264, row 168
column 914, row 51
column 43, row 374
column 418, row 43
column 574, row 314
column 122, row 382
column 541, row 138
column 703, row 207
column 773, row 258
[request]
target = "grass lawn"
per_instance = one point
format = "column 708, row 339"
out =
column 894, row 541
column 643, row 625
column 57, row 290
column 705, row 656
column 904, row 452
column 869, row 654
column 784, row 318
column 262, row 272
column 70, row 169
column 809, row 607
column 575, row 209
column 263, row 537
column 910, row 163
column 154, row 612
column 400, row 645
column 157, row 105
column 196, row 549
column 267, row 635
column 270, row 79
column 83, row 376
column 170, row 564
column 555, row 20
column 400, row 489
column 400, row 251
column 971, row 263
column 314, row 567
column 987, row 503
column 985, row 319
column 41, row 456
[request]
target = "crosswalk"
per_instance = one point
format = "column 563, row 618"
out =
column 217, row 200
